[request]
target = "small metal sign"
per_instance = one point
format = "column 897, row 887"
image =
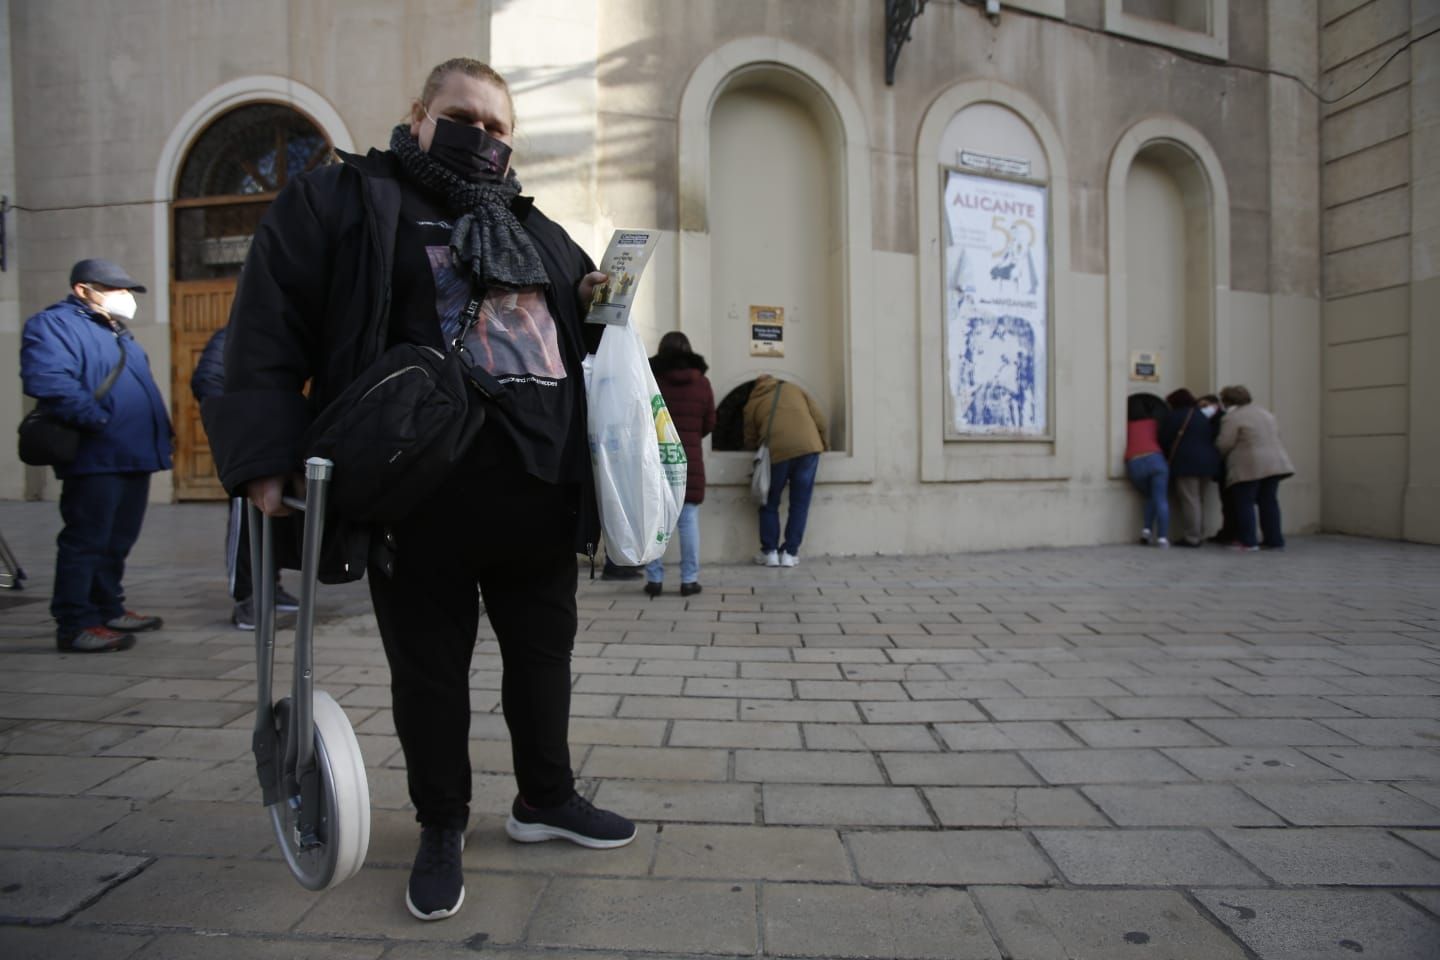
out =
column 1145, row 366
column 1008, row 166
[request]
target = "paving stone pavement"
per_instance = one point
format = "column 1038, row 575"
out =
column 1080, row 754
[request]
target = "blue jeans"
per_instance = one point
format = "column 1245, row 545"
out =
column 689, row 532
column 102, row 513
column 1263, row 493
column 799, row 473
column 1150, row 475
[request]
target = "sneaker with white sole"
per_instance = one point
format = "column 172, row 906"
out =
column 285, row 601
column 437, row 884
column 243, row 616
column 131, row 622
column 767, row 558
column 577, row 820
column 789, row 560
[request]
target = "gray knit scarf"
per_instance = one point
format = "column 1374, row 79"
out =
column 487, row 238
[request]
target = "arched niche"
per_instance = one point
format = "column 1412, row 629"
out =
column 988, row 119
column 775, row 211
column 1168, row 239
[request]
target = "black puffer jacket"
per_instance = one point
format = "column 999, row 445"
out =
column 313, row 304
column 208, row 380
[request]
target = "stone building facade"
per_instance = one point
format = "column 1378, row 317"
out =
column 1190, row 213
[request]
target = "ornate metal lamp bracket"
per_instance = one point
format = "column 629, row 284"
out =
column 899, row 15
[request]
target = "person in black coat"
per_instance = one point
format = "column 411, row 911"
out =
column 426, row 243
column 1187, row 435
column 207, row 381
column 1228, row 533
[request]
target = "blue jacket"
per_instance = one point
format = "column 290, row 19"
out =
column 66, row 352
column 1196, row 455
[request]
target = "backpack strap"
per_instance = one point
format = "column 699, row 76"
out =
column 780, row 385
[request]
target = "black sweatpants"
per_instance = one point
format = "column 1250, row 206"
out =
column 513, row 545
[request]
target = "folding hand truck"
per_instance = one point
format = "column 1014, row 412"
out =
column 312, row 775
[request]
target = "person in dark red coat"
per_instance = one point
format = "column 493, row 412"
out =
column 680, row 372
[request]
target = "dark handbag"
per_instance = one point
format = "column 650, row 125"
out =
column 396, row 432
column 48, row 441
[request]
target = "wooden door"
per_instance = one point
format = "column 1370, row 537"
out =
column 198, row 308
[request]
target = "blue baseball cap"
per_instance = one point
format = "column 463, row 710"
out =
column 103, row 273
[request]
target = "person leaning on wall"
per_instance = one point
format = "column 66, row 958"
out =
column 1255, row 463
column 1188, row 438
column 797, row 436
column 1148, row 470
column 69, row 352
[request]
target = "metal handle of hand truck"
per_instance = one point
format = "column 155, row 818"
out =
column 301, row 742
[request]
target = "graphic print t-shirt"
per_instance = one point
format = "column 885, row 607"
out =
column 514, row 339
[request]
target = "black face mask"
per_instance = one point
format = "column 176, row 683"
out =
column 469, row 151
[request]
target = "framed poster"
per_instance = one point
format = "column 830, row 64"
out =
column 997, row 307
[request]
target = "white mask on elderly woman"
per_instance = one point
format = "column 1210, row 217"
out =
column 1207, row 410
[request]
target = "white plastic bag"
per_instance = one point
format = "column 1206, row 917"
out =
column 639, row 462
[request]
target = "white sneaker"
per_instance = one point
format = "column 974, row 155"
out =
column 789, row 560
column 1162, row 542
column 767, row 558
column 1145, row 536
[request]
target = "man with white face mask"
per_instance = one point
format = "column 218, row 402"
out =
column 69, row 353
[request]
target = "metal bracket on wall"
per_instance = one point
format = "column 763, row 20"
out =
column 899, row 15
column 5, row 208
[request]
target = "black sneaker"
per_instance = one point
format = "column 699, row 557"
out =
column 437, row 884
column 613, row 571
column 689, row 589
column 653, row 588
column 577, row 820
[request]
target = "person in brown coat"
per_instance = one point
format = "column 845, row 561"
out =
column 797, row 437
column 1255, row 463
column 680, row 373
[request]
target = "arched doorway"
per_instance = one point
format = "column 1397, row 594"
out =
column 232, row 171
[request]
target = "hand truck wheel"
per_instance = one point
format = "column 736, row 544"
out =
column 343, row 828
column 312, row 774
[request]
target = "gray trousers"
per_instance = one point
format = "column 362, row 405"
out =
column 1190, row 491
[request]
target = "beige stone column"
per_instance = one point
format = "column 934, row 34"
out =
column 1422, row 491
column 12, row 402
column 1295, row 321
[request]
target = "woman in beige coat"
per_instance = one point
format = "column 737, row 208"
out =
column 1255, row 463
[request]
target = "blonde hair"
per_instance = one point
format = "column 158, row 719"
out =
column 471, row 68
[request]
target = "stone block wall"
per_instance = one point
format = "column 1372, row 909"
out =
column 1381, row 462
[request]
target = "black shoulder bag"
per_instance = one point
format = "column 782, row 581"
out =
column 396, row 432
column 48, row 441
